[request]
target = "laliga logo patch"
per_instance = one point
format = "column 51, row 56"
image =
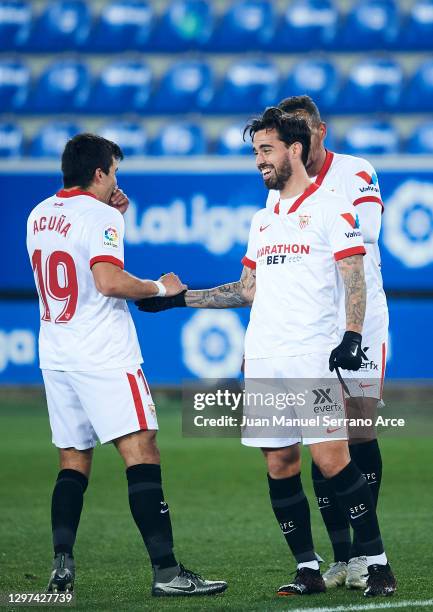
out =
column 110, row 237
column 351, row 220
column 370, row 180
column 304, row 221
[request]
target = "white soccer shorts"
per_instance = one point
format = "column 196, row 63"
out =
column 368, row 381
column 85, row 407
column 307, row 374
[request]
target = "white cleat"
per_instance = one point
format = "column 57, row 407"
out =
column 357, row 573
column 335, row 575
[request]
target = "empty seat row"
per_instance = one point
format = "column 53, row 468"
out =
column 194, row 24
column 182, row 138
column 372, row 85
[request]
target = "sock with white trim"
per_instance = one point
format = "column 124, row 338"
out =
column 292, row 512
column 151, row 514
column 355, row 497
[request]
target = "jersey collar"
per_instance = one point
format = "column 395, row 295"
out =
column 324, row 169
column 74, row 192
column 297, row 203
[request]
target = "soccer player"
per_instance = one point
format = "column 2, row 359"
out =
column 90, row 359
column 356, row 180
column 289, row 273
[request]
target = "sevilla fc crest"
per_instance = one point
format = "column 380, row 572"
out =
column 304, row 220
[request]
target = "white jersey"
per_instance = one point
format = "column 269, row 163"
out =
column 81, row 330
column 355, row 179
column 294, row 250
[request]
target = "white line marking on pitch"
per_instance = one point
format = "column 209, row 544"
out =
column 373, row 606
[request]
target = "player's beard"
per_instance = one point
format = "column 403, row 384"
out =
column 279, row 177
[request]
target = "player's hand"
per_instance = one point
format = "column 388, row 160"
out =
column 119, row 200
column 347, row 355
column 172, row 283
column 157, row 304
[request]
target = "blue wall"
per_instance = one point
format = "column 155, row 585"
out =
column 197, row 225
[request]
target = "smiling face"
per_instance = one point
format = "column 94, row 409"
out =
column 272, row 158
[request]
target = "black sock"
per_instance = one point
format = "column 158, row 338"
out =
column 150, row 513
column 367, row 457
column 293, row 515
column 334, row 517
column 66, row 506
column 355, row 497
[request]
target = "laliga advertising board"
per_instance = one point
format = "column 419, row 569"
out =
column 197, row 225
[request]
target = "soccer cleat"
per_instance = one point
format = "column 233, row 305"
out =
column 357, row 573
column 63, row 574
column 380, row 581
column 187, row 583
column 307, row 581
column 335, row 575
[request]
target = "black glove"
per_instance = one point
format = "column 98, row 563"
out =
column 156, row 304
column 347, row 355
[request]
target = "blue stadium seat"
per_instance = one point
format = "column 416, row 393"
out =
column 131, row 137
column 15, row 21
column 123, row 24
column 187, row 24
column 371, row 138
column 231, row 142
column 14, row 85
column 179, row 139
column 186, row 86
column 417, row 32
column 373, row 85
column 248, row 86
column 317, row 78
column 371, row 24
column 122, row 86
column 64, row 25
column 62, row 87
column 306, row 24
column 11, row 140
column 50, row 140
column 418, row 93
column 247, row 25
column 421, row 140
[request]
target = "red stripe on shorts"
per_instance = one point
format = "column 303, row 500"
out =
column 139, row 409
column 382, row 375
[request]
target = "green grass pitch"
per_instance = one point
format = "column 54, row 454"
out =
column 223, row 523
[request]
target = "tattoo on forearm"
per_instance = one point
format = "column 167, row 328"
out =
column 232, row 295
column 352, row 271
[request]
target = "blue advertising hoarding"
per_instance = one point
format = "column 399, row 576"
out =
column 187, row 344
column 196, row 224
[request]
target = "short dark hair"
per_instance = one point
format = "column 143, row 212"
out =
column 290, row 129
column 301, row 103
column 83, row 154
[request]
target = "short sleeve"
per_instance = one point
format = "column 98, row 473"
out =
column 106, row 239
column 362, row 184
column 250, row 257
column 343, row 229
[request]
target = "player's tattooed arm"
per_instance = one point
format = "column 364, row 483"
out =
column 232, row 295
column 352, row 271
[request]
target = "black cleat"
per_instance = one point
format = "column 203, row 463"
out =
column 380, row 581
column 187, row 583
column 63, row 574
column 307, row 581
